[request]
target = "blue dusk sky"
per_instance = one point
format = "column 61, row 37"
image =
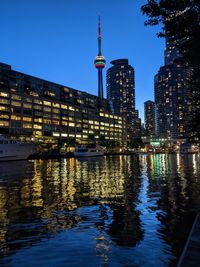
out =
column 56, row 40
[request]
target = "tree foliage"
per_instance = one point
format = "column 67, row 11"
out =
column 136, row 143
column 180, row 21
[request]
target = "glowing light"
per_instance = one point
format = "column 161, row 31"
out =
column 99, row 62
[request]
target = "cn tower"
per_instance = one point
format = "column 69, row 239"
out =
column 100, row 63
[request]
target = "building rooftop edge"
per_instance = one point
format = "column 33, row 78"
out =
column 149, row 101
column 119, row 61
column 9, row 67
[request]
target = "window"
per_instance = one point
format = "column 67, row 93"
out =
column 16, row 97
column 47, row 109
column 47, row 103
column 27, row 119
column 16, row 104
column 2, row 94
column 37, row 101
column 15, row 118
column 47, row 121
column 25, row 105
column 55, row 110
column 37, row 126
column 38, row 120
column 27, row 126
column 4, row 123
column 3, row 116
column 56, row 105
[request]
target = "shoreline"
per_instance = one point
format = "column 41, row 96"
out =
column 55, row 155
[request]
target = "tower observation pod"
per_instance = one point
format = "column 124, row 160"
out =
column 100, row 63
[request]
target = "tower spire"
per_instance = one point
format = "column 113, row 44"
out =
column 99, row 62
column 99, row 37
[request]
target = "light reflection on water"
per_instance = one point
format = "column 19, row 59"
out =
column 108, row 211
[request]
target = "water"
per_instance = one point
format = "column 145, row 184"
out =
column 109, row 211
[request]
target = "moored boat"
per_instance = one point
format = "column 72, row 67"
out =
column 84, row 151
column 14, row 150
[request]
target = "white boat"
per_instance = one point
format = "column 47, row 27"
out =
column 84, row 151
column 14, row 150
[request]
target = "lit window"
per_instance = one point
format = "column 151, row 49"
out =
column 37, row 107
column 37, row 101
column 37, row 126
column 64, row 134
column 4, row 94
column 15, row 118
column 37, row 133
column 16, row 104
column 55, row 110
column 27, row 126
column 47, row 109
column 27, row 119
column 3, row 116
column 38, row 120
column 27, row 106
column 56, row 105
column 55, row 122
column 27, row 99
column 4, row 123
column 2, row 108
column 47, row 103
column 16, row 97
column 71, row 108
column 47, row 121
column 64, row 106
column 56, row 134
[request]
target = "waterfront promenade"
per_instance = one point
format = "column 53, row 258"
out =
column 191, row 253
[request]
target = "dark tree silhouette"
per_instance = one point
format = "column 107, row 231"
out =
column 180, row 22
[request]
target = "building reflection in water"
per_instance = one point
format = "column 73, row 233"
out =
column 146, row 203
column 126, row 229
column 43, row 193
column 174, row 180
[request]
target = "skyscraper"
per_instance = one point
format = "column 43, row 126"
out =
column 173, row 95
column 120, row 83
column 100, row 63
column 149, row 113
column 171, row 52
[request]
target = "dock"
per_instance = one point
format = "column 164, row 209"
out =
column 191, row 253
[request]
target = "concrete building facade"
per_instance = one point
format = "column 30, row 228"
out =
column 33, row 108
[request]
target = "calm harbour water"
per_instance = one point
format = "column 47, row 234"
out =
column 107, row 211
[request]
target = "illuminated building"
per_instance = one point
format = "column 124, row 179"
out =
column 121, row 93
column 32, row 108
column 99, row 63
column 171, row 52
column 149, row 113
column 173, row 96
